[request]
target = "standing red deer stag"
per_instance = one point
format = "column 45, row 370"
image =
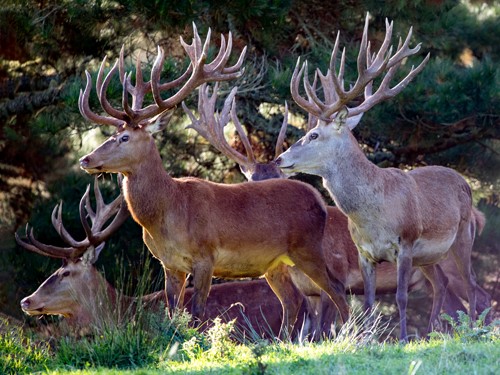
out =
column 412, row 218
column 340, row 252
column 80, row 293
column 199, row 227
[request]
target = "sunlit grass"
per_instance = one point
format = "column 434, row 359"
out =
column 164, row 346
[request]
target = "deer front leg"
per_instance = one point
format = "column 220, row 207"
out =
column 369, row 280
column 202, row 280
column 175, row 286
column 404, row 264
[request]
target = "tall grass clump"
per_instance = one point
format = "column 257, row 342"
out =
column 20, row 354
column 129, row 333
column 143, row 341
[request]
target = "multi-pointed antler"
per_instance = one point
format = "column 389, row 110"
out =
column 370, row 66
column 198, row 72
column 211, row 125
column 95, row 234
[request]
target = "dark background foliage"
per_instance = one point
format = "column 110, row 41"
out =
column 449, row 114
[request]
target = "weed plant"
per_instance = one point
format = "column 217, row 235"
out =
column 19, row 353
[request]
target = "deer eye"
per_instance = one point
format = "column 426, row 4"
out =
column 125, row 138
column 313, row 136
column 66, row 274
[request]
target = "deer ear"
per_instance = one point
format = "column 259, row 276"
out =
column 353, row 121
column 159, row 122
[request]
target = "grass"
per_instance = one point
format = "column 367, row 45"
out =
column 163, row 346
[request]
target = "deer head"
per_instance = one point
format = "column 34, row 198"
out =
column 211, row 126
column 331, row 115
column 135, row 123
column 76, row 284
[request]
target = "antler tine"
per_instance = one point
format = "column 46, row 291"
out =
column 57, row 223
column 102, row 86
column 308, row 105
column 40, row 248
column 84, row 107
column 118, row 220
column 250, row 159
column 282, row 134
column 102, row 213
column 206, row 125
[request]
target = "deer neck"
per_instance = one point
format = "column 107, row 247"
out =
column 351, row 179
column 148, row 188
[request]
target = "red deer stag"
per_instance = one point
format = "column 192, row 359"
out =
column 340, row 252
column 71, row 290
column 412, row 218
column 203, row 228
column 80, row 293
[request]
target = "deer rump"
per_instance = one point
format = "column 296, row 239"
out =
column 244, row 230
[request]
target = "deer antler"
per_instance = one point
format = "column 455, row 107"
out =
column 211, row 125
column 198, row 72
column 369, row 66
column 95, row 234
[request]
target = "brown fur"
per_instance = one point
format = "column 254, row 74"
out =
column 231, row 231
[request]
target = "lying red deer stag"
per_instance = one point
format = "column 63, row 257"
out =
column 412, row 218
column 199, row 227
column 339, row 249
column 80, row 293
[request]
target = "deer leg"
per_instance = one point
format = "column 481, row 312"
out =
column 317, row 271
column 439, row 283
column 461, row 251
column 291, row 299
column 328, row 314
column 452, row 303
column 175, row 285
column 369, row 280
column 313, row 302
column 404, row 264
column 483, row 302
column 202, row 280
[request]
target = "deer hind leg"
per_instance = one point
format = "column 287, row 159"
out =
column 313, row 265
column 483, row 302
column 312, row 321
column 328, row 314
column 439, row 282
column 461, row 251
column 291, row 299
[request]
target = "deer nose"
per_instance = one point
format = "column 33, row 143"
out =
column 278, row 161
column 84, row 161
column 25, row 303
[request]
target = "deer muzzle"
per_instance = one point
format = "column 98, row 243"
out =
column 86, row 165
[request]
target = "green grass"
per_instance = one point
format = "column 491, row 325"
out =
column 163, row 346
column 443, row 356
